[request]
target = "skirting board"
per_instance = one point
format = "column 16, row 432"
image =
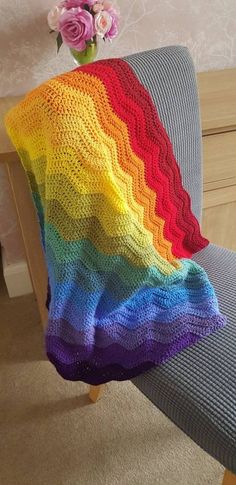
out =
column 17, row 278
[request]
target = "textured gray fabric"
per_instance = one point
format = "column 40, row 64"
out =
column 169, row 76
column 197, row 388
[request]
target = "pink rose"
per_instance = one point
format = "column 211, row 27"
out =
column 76, row 27
column 54, row 16
column 102, row 23
column 78, row 3
column 113, row 32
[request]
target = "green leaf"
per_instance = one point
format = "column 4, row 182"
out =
column 59, row 42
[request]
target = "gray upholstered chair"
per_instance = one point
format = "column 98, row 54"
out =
column 197, row 388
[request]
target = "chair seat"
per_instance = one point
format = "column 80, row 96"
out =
column 197, row 388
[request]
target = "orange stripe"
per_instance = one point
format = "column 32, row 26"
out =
column 117, row 129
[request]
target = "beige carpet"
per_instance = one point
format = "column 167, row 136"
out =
column 52, row 435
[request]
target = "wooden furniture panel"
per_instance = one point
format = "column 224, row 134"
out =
column 219, row 225
column 219, row 155
column 217, row 91
column 224, row 195
column 218, row 109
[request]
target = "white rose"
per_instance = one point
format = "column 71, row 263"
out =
column 54, row 15
column 103, row 23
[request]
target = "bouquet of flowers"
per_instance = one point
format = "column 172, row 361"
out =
column 79, row 23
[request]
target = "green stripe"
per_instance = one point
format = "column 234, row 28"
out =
column 68, row 253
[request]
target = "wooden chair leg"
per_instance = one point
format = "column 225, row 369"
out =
column 229, row 478
column 29, row 226
column 96, row 392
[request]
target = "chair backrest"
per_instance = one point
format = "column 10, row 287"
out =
column 169, row 75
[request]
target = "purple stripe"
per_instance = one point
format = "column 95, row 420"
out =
column 114, row 353
column 131, row 338
column 97, row 369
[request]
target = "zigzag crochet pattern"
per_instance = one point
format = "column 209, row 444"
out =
column 116, row 224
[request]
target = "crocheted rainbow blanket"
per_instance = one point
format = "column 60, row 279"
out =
column 116, row 224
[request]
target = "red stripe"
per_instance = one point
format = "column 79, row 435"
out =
column 149, row 140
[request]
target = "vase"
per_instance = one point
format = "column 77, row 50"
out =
column 87, row 55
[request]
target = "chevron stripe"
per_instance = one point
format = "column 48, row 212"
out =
column 116, row 225
column 129, row 338
column 131, row 164
column 153, row 136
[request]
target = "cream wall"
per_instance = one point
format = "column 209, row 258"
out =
column 28, row 56
column 10, row 237
column 28, row 52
